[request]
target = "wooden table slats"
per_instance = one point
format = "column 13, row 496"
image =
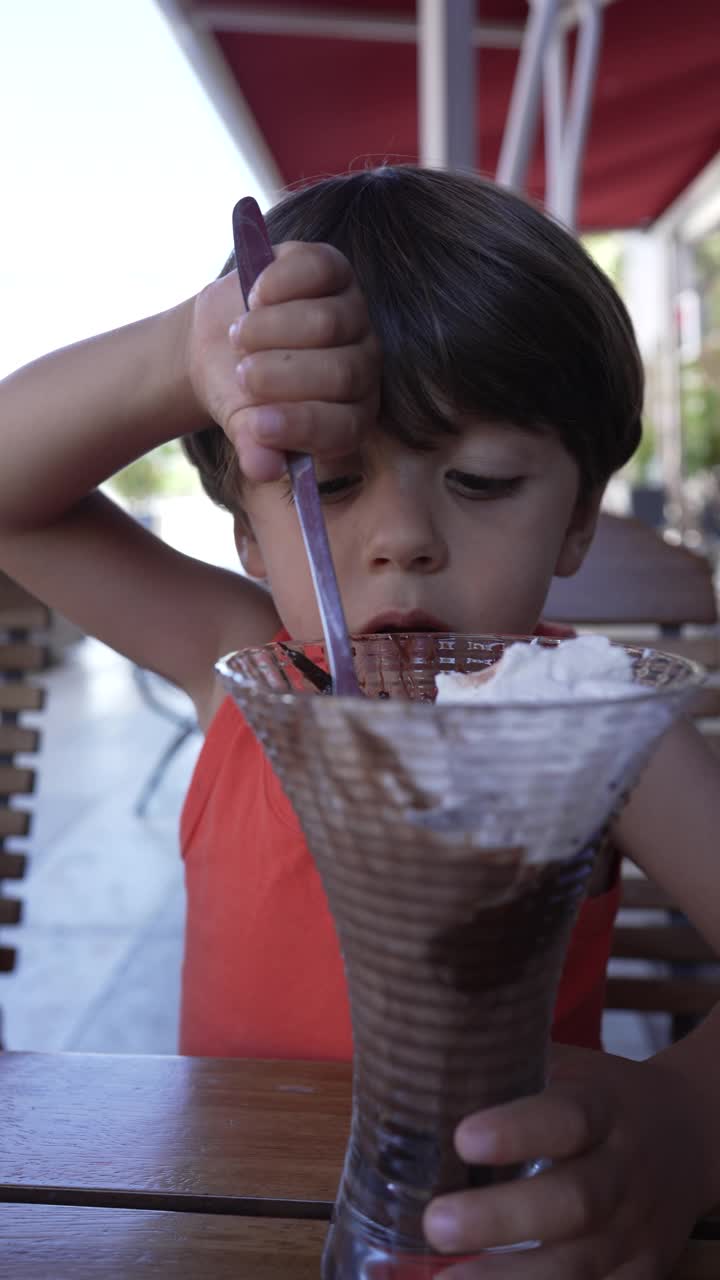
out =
column 41, row 1242
column 173, row 1126
column 115, row 1167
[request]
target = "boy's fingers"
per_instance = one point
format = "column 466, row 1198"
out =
column 555, row 1262
column 340, row 374
column 560, row 1122
column 259, row 464
column 566, row 1202
column 301, row 270
column 328, row 430
column 303, row 323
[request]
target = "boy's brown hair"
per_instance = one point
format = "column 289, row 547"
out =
column 482, row 304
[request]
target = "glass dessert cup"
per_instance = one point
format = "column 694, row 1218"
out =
column 454, row 843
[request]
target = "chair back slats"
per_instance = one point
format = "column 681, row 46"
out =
column 681, row 971
column 671, row 944
column 23, row 657
column 639, row 894
column 20, row 654
column 12, row 865
column 630, row 578
column 10, row 910
column 706, row 703
column 632, row 575
column 17, row 738
column 16, row 781
column 13, row 822
column 20, row 611
column 701, row 646
column 677, row 996
column 21, row 697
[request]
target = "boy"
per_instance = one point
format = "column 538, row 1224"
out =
column 467, row 381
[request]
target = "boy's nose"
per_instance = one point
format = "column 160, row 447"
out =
column 404, row 536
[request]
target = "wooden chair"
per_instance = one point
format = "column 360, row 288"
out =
column 20, row 616
column 632, row 578
column 685, row 978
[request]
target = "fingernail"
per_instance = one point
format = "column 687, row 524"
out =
column 441, row 1225
column 234, row 331
column 267, row 424
column 241, row 372
column 477, row 1143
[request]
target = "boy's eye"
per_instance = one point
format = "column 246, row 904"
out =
column 337, row 486
column 470, row 485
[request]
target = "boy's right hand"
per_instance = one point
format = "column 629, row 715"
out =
column 299, row 371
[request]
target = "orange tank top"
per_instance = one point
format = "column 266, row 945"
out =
column 263, row 974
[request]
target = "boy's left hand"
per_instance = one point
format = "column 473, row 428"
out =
column 624, row 1191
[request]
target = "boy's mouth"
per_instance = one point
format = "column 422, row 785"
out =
column 398, row 622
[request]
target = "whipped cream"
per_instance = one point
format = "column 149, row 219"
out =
column 585, row 667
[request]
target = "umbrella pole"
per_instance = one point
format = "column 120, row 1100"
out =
column 446, row 84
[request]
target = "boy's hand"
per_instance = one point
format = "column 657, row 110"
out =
column 299, row 371
column 622, row 1196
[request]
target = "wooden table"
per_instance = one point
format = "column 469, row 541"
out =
column 114, row 1167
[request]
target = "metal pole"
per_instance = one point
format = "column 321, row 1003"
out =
column 350, row 23
column 203, row 53
column 446, row 83
column 565, row 199
column 523, row 114
column 554, row 108
column 669, row 415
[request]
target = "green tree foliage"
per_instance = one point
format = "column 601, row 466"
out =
column 164, row 472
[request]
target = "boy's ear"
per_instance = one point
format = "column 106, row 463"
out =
column 247, row 548
column 579, row 533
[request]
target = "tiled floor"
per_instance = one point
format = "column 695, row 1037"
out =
column 101, row 944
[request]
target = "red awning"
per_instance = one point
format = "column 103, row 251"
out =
column 325, row 103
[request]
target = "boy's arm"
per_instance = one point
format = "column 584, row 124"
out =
column 76, row 416
column 159, row 608
column 70, row 420
column 670, row 826
column 671, row 829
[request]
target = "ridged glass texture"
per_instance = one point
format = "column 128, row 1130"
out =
column 454, row 844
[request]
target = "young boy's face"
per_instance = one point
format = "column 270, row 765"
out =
column 465, row 537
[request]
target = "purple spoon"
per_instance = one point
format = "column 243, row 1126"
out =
column 253, row 252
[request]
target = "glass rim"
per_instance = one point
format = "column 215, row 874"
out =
column 694, row 676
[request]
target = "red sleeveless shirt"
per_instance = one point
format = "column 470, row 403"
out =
column 263, row 974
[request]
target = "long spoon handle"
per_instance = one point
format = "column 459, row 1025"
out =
column 253, row 252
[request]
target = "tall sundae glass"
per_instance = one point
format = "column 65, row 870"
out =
column 454, row 843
